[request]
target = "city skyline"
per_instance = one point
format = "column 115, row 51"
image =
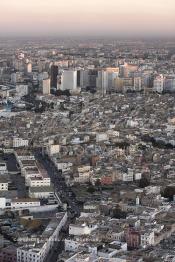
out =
column 96, row 18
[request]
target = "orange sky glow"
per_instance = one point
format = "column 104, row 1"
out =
column 87, row 17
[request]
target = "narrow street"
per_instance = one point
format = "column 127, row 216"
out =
column 66, row 196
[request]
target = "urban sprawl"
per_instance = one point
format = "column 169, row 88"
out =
column 87, row 150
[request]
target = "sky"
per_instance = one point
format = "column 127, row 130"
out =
column 87, row 17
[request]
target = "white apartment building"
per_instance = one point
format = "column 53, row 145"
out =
column 24, row 157
column 127, row 177
column 19, row 142
column 46, row 86
column 147, row 239
column 101, row 137
column 158, row 85
column 38, row 181
column 31, row 172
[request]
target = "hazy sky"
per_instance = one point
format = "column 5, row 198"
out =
column 87, row 17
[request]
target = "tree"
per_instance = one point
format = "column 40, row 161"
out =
column 118, row 213
column 91, row 189
column 144, row 182
column 98, row 183
column 169, row 192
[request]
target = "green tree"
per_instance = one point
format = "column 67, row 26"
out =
column 144, row 182
column 91, row 189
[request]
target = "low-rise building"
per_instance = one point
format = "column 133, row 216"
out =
column 19, row 142
column 3, row 184
column 24, row 203
column 41, row 192
column 38, row 251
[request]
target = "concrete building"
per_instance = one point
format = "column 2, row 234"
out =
column 81, row 229
column 29, row 68
column 8, row 254
column 127, row 177
column 132, row 237
column 53, row 149
column 19, row 142
column 3, row 184
column 46, row 86
column 84, row 78
column 106, row 80
column 137, row 83
column 2, row 202
column 147, row 239
column 42, row 192
column 69, row 80
column 102, row 82
column 169, row 84
column 127, row 69
column 3, row 168
column 13, row 78
column 22, row 90
column 101, row 137
column 53, row 76
column 158, row 84
column 24, row 203
column 38, row 181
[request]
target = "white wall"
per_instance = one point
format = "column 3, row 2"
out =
column 69, row 80
column 2, row 202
